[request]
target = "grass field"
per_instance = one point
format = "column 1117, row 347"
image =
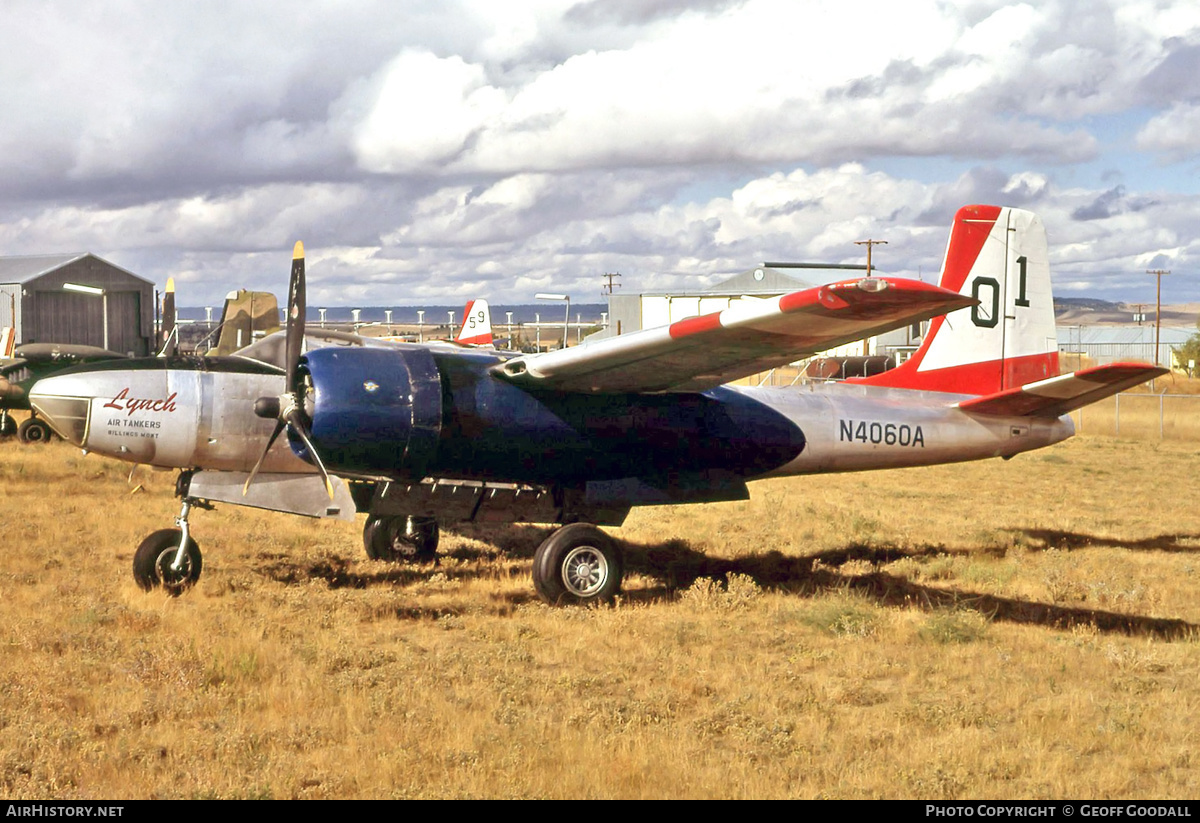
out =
column 1020, row 629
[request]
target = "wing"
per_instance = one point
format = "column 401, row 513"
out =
column 1058, row 395
column 752, row 336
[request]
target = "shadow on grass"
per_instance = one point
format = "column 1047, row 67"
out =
column 678, row 565
column 472, row 562
column 1070, row 541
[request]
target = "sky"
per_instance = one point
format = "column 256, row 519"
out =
column 427, row 152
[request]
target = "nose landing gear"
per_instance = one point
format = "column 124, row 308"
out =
column 169, row 558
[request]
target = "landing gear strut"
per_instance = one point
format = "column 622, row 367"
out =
column 401, row 539
column 578, row 564
column 170, row 558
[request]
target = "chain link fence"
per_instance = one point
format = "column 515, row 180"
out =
column 1142, row 416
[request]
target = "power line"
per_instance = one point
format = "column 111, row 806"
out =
column 869, row 243
column 611, row 283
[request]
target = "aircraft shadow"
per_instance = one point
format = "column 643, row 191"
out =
column 678, row 565
column 1070, row 541
column 338, row 573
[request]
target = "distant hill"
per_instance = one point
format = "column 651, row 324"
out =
column 1090, row 311
column 1065, row 304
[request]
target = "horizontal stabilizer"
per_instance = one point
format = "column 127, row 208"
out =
column 1058, row 395
column 699, row 353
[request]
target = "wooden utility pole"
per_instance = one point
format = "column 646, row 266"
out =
column 608, row 289
column 869, row 244
column 1158, row 273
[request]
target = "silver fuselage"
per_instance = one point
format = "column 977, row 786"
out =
column 169, row 417
column 850, row 427
column 201, row 417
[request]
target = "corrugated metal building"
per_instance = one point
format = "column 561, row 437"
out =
column 1111, row 344
column 630, row 312
column 33, row 301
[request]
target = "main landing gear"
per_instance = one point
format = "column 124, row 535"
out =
column 34, row 430
column 31, row 430
column 169, row 558
column 578, row 565
column 401, row 539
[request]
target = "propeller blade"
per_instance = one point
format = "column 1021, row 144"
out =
column 279, row 424
column 295, row 322
column 169, row 339
column 295, row 419
column 292, row 413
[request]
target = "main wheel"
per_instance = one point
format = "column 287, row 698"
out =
column 401, row 539
column 577, row 564
column 33, row 430
column 153, row 559
column 8, row 426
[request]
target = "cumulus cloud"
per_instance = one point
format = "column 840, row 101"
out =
column 1174, row 134
column 431, row 151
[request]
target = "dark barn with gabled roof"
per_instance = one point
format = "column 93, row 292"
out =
column 34, row 302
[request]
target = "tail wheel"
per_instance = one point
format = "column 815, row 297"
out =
column 155, row 556
column 578, row 564
column 33, row 430
column 401, row 539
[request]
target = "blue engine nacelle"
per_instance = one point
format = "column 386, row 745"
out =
column 376, row 410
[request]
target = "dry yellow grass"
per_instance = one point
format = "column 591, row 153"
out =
column 993, row 630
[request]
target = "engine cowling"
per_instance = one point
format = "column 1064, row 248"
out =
column 375, row 410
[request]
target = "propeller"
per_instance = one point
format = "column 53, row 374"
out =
column 170, row 336
column 288, row 408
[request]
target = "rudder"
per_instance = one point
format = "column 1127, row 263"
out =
column 999, row 257
column 477, row 325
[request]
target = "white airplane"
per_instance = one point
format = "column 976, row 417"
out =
column 415, row 434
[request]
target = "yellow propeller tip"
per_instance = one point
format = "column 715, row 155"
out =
column 171, row 284
column 298, row 251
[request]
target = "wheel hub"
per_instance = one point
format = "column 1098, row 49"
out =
column 584, row 571
column 169, row 576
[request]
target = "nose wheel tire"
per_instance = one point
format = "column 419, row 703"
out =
column 154, row 558
column 401, row 539
column 578, row 564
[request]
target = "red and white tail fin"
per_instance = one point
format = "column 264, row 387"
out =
column 999, row 257
column 8, row 341
column 477, row 325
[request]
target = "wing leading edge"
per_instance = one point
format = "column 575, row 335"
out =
column 699, row 353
